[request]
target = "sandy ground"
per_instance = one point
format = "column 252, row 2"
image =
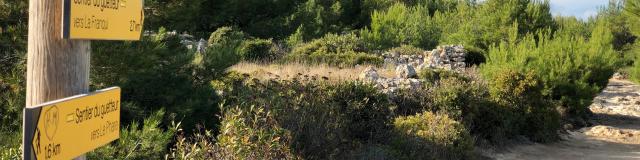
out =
column 615, row 135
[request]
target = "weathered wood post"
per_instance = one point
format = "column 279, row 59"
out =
column 56, row 67
column 60, row 119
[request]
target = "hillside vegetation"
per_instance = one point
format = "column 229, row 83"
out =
column 529, row 74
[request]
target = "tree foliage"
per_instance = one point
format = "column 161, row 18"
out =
column 401, row 25
column 572, row 68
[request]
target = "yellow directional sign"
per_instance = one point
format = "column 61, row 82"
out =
column 103, row 19
column 67, row 128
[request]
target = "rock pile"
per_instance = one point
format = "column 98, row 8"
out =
column 390, row 86
column 395, row 59
column 406, row 71
column 450, row 57
column 369, row 74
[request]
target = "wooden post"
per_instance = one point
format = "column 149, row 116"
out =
column 56, row 68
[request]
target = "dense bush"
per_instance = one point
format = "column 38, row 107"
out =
column 11, row 147
column 407, row 50
column 458, row 98
column 223, row 51
column 572, row 70
column 512, row 104
column 247, row 132
column 12, row 95
column 13, row 31
column 431, row 136
column 532, row 114
column 325, row 120
column 331, row 44
column 13, row 48
column 475, row 56
column 434, row 75
column 401, row 25
column 315, row 18
column 226, row 36
column 256, row 50
column 159, row 72
column 408, row 102
column 253, row 133
column 632, row 11
column 148, row 141
column 334, row 49
column 634, row 72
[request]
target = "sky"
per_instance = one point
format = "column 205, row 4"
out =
column 579, row 8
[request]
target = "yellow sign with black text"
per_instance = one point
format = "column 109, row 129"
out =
column 103, row 19
column 70, row 127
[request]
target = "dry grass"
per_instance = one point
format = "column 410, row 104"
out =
column 290, row 70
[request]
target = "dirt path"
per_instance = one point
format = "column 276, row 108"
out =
column 615, row 135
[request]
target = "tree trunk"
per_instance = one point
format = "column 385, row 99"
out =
column 56, row 68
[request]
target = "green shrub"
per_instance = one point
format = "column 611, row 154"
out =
column 344, row 59
column 494, row 123
column 407, row 50
column 148, row 141
column 10, row 144
column 572, row 70
column 331, row 44
column 246, row 132
column 13, row 30
column 296, row 38
column 436, row 74
column 13, row 48
column 253, row 134
column 469, row 101
column 315, row 18
column 475, row 56
column 200, row 145
column 326, row 121
column 226, row 35
column 516, row 90
column 12, row 93
column 533, row 115
column 410, row 102
column 632, row 11
column 223, row 50
column 458, row 98
column 334, row 49
column 159, row 72
column 366, row 108
column 432, row 136
column 401, row 25
column 634, row 72
column 257, row 49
